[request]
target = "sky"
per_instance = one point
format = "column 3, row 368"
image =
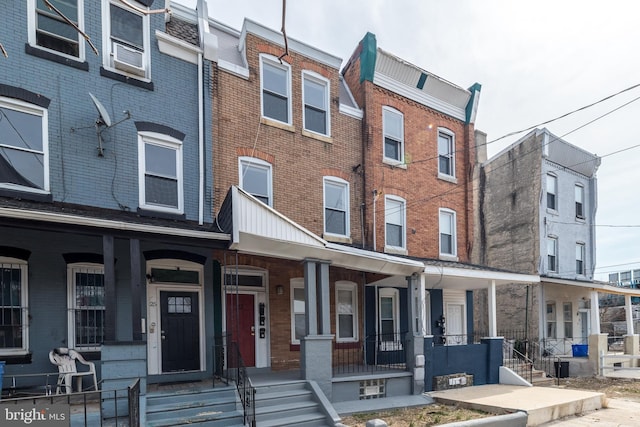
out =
column 536, row 60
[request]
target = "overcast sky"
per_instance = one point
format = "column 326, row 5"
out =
column 535, row 60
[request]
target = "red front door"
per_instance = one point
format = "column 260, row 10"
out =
column 241, row 325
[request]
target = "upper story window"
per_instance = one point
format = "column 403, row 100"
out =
column 395, row 220
column 346, row 311
column 446, row 153
column 552, row 191
column 579, row 201
column 126, row 39
column 255, row 179
column 625, row 277
column 24, row 153
column 49, row 31
column 613, row 277
column 14, row 327
column 580, row 251
column 447, row 222
column 86, row 305
column 336, row 206
column 316, row 103
column 276, row 89
column 160, row 172
column 393, row 130
column 552, row 254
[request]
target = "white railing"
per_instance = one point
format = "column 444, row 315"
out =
column 622, row 357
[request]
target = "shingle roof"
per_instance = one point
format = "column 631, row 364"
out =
column 183, row 30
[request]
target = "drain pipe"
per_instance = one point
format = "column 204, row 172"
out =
column 375, row 197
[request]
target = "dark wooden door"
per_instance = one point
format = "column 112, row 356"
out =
column 241, row 325
column 180, row 331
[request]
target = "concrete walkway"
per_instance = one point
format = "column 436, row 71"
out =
column 542, row 404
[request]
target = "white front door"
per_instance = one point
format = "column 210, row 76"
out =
column 455, row 329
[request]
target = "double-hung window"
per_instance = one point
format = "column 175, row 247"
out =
column 552, row 254
column 49, row 31
column 336, row 206
column 551, row 320
column 346, row 311
column 255, row 179
column 567, row 317
column 86, row 305
column 447, row 232
column 14, row 328
column 126, row 39
column 24, row 156
column 446, row 153
column 298, row 325
column 276, row 89
column 395, row 219
column 393, row 129
column 580, row 252
column 552, row 191
column 315, row 91
column 160, row 172
column 579, row 190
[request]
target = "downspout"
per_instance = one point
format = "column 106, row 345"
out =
column 375, row 197
column 201, row 9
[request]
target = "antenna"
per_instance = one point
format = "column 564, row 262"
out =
column 104, row 122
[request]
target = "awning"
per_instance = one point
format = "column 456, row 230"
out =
column 603, row 287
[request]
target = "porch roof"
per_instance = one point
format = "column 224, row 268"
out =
column 258, row 229
column 603, row 287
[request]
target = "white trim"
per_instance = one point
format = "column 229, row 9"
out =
column 451, row 298
column 346, row 196
column 167, row 142
column 32, row 26
column 242, row 72
column 390, row 110
column 352, row 287
column 295, row 283
column 258, row 164
column 71, row 301
column 177, row 48
column 323, row 81
column 23, row 266
column 450, row 215
column 556, row 249
column 555, row 192
column 403, row 206
column 451, row 153
column 272, row 61
column 356, row 113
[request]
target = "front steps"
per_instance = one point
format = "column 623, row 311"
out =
column 288, row 404
column 538, row 378
column 218, row 406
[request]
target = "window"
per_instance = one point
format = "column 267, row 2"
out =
column 49, row 31
column 126, row 40
column 551, row 320
column 567, row 315
column 14, row 334
column 316, row 103
column 580, row 258
column 298, row 323
column 336, row 206
column 24, row 157
column 636, row 277
column 625, row 277
column 276, row 90
column 613, row 278
column 86, row 305
column 393, row 129
column 160, row 172
column 552, row 254
column 346, row 311
column 447, row 232
column 255, row 179
column 446, row 153
column 579, row 201
column 394, row 214
column 388, row 312
column 552, row 189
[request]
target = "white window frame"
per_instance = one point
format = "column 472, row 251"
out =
column 552, row 240
column 164, row 141
column 580, row 257
column 552, row 181
column 72, row 269
column 399, row 203
column 108, row 54
column 348, row 286
column 394, row 294
column 296, row 283
column 444, row 216
column 337, row 182
column 567, row 319
column 388, row 110
column 253, row 162
column 579, row 195
column 551, row 318
column 320, row 80
column 274, row 62
column 33, row 29
column 22, row 265
column 26, row 108
column 450, row 155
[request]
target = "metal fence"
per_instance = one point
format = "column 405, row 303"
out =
column 375, row 353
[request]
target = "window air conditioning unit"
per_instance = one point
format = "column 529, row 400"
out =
column 128, row 59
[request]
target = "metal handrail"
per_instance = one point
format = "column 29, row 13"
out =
column 520, row 363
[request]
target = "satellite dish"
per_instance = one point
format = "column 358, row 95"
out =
column 104, row 118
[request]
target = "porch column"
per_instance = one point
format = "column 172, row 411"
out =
column 415, row 337
column 109, row 288
column 595, row 312
column 136, row 290
column 597, row 341
column 316, row 349
column 631, row 340
column 629, row 314
column 493, row 324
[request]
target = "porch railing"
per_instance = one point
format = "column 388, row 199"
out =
column 516, row 359
column 229, row 366
column 375, row 353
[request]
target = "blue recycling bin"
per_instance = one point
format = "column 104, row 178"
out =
column 580, row 350
column 1, row 377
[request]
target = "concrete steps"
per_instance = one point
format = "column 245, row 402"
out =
column 210, row 407
column 538, row 378
column 288, row 404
